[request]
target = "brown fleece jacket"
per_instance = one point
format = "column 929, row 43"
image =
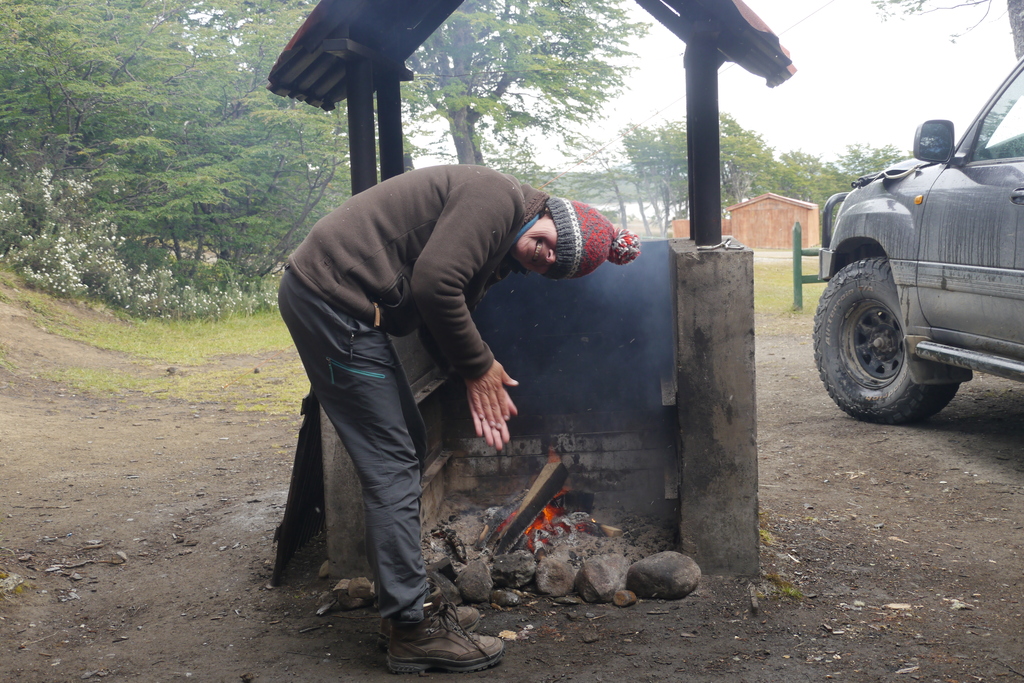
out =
column 424, row 246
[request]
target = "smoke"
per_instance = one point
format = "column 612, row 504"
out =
column 601, row 343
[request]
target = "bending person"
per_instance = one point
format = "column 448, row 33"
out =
column 419, row 251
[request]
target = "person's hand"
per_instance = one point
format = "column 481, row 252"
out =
column 491, row 405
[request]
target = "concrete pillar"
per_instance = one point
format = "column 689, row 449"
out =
column 717, row 407
column 344, row 508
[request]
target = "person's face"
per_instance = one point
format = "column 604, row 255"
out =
column 535, row 250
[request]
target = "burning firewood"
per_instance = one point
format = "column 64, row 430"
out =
column 549, row 482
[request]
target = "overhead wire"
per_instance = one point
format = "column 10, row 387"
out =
column 622, row 135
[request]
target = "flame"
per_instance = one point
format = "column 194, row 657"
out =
column 553, row 521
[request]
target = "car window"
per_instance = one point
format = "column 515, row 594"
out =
column 1002, row 131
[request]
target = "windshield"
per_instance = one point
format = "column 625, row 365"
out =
column 1002, row 131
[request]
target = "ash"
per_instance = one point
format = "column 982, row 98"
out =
column 641, row 537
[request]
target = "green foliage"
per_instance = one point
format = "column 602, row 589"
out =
column 503, row 67
column 77, row 253
column 803, row 176
column 747, row 162
column 657, row 162
column 859, row 160
column 156, row 117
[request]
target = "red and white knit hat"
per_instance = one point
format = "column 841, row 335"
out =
column 586, row 239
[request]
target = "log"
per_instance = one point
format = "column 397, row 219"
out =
column 549, row 482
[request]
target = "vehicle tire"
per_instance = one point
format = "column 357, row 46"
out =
column 860, row 350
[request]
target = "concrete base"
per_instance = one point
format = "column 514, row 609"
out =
column 346, row 523
column 717, row 407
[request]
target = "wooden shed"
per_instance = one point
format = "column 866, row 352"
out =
column 766, row 222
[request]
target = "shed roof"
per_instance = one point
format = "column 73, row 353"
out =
column 312, row 67
column 772, row 196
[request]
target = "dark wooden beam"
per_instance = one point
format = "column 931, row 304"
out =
column 361, row 140
column 701, row 62
column 389, row 125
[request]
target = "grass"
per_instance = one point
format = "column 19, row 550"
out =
column 275, row 389
column 189, row 342
column 783, row 588
column 11, row 584
column 773, row 287
column 202, row 350
column 209, row 357
column 773, row 297
column 763, row 522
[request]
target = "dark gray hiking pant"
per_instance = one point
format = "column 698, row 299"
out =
column 359, row 381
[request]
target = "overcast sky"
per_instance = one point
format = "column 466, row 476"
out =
column 859, row 79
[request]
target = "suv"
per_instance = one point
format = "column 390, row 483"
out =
column 926, row 270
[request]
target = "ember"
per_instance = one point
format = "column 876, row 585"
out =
column 555, row 523
column 548, row 514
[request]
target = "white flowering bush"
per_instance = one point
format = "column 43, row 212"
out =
column 75, row 257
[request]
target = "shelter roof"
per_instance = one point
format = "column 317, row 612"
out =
column 312, row 67
column 742, row 38
column 775, row 197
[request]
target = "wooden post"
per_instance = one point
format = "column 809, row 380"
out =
column 799, row 279
column 701, row 61
column 798, row 268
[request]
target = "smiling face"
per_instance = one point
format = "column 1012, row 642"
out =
column 535, row 250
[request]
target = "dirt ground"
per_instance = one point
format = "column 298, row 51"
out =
column 143, row 529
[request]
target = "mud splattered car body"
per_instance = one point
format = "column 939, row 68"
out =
column 926, row 269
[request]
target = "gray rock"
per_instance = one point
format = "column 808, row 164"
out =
column 668, row 575
column 341, row 588
column 568, row 600
column 347, row 602
column 504, row 597
column 361, row 587
column 474, row 583
column 599, row 577
column 554, row 577
column 513, row 570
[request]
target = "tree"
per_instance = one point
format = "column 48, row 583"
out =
column 747, row 162
column 657, row 161
column 862, row 159
column 800, row 175
column 1015, row 13
column 160, row 110
column 508, row 67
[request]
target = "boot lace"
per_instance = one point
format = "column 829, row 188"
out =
column 446, row 617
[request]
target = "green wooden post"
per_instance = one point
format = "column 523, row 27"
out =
column 799, row 279
column 798, row 268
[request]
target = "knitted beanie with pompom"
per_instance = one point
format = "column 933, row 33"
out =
column 586, row 239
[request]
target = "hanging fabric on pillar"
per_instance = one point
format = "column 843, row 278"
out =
column 305, row 511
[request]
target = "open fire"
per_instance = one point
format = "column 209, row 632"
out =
column 550, row 513
column 556, row 523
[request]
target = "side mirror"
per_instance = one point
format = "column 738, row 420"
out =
column 934, row 141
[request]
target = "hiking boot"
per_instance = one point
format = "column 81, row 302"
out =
column 469, row 620
column 440, row 642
